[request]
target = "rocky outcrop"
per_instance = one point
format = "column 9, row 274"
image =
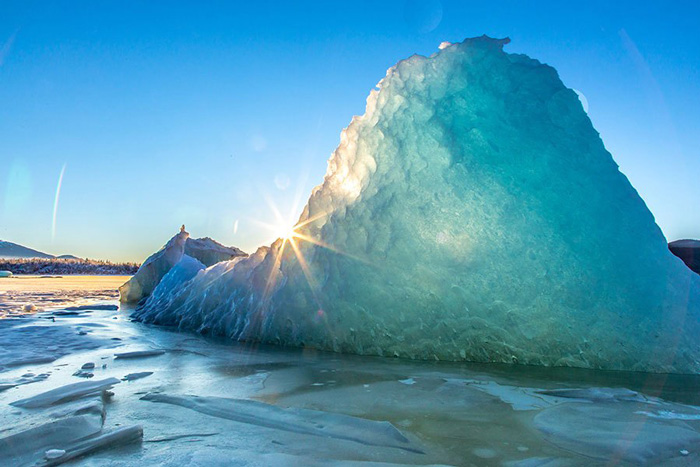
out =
column 688, row 251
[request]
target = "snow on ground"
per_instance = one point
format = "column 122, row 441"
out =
column 85, row 383
column 46, row 292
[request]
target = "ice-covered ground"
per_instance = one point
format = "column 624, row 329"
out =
column 20, row 294
column 183, row 399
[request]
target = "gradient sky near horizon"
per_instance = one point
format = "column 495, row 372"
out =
column 154, row 114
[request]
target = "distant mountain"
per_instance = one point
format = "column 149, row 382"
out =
column 9, row 250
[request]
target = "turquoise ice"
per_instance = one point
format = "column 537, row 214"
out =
column 472, row 213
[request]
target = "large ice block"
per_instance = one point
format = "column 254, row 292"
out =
column 472, row 213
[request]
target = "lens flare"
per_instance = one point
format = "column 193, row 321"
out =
column 55, row 202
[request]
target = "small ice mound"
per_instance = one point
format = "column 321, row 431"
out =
column 105, row 440
column 205, row 251
column 66, row 393
column 407, row 381
column 54, row 453
column 135, row 376
column 95, row 407
column 84, row 374
column 139, row 354
column 28, row 446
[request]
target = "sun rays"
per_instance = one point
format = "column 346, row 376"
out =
column 302, row 238
column 290, row 235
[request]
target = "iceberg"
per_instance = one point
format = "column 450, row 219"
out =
column 205, row 251
column 472, row 213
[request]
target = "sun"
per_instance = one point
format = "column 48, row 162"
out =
column 293, row 233
column 285, row 231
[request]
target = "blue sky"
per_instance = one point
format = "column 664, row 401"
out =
column 201, row 113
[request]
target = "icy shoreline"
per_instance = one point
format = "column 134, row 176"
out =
column 22, row 295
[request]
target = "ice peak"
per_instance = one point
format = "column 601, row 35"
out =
column 472, row 213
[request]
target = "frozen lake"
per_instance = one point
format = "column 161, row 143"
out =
column 209, row 401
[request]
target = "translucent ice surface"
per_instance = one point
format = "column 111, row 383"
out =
column 204, row 251
column 153, row 269
column 472, row 213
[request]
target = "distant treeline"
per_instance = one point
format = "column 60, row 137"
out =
column 59, row 266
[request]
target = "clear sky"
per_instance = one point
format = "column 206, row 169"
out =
column 164, row 113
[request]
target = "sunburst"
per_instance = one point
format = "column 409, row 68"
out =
column 285, row 231
column 291, row 235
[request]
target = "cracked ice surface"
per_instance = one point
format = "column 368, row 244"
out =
column 211, row 401
column 473, row 214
